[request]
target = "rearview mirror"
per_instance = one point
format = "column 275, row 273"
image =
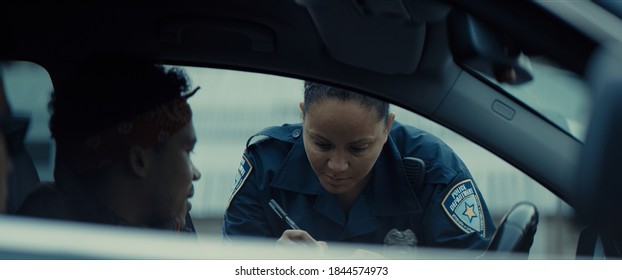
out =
column 480, row 48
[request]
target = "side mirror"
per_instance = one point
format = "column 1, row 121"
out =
column 517, row 230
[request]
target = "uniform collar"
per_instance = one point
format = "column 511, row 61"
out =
column 296, row 173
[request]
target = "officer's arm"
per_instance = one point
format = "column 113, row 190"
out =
column 245, row 215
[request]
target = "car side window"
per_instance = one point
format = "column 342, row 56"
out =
column 234, row 105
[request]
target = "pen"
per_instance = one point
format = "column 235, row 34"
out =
column 279, row 211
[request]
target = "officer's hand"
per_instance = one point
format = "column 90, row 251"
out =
column 300, row 238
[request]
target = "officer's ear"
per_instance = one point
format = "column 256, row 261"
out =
column 302, row 110
column 389, row 124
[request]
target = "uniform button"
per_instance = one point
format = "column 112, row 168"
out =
column 296, row 133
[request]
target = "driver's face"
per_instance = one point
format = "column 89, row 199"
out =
column 173, row 177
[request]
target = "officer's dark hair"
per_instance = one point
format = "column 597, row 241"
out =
column 315, row 92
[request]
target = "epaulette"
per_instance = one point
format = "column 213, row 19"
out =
column 287, row 132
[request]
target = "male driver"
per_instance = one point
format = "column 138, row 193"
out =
column 124, row 135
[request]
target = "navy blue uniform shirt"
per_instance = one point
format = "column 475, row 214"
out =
column 448, row 211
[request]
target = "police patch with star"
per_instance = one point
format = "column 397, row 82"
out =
column 462, row 204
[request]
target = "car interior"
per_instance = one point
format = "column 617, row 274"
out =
column 455, row 63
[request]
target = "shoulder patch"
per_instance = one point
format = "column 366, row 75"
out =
column 241, row 175
column 462, row 205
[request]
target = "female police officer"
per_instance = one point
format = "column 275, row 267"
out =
column 344, row 180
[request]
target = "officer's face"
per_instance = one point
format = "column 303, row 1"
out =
column 342, row 140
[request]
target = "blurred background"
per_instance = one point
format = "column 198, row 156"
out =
column 232, row 105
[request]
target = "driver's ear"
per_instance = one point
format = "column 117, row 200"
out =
column 138, row 161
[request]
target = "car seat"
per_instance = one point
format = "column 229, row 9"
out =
column 23, row 177
column 22, row 180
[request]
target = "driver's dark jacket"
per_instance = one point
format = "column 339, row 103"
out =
column 68, row 199
column 281, row 171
